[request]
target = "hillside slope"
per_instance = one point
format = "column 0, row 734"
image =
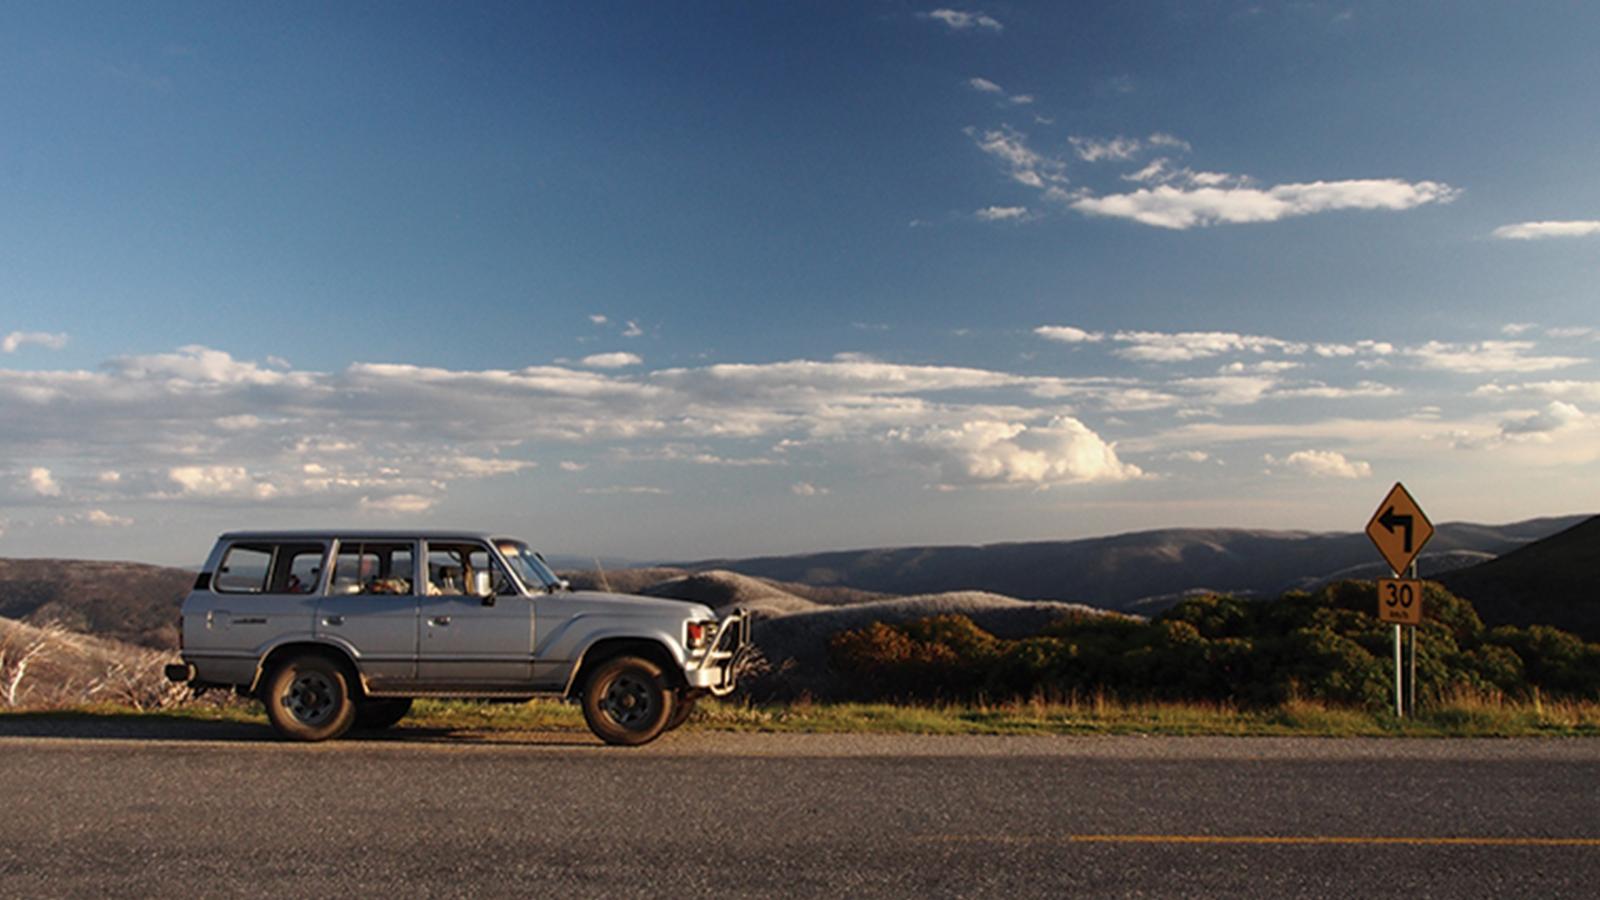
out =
column 1118, row 571
column 1555, row 581
column 127, row 601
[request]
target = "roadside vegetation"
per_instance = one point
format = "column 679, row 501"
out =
column 1327, row 648
column 1305, row 664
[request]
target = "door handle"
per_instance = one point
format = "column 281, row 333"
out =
column 440, row 620
column 333, row 620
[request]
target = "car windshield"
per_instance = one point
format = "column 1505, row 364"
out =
column 530, row 568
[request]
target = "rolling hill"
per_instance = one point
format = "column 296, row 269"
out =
column 1555, row 581
column 1142, row 571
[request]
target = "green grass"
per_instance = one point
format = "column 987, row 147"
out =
column 1461, row 716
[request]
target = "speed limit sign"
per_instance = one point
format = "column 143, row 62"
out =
column 1400, row 601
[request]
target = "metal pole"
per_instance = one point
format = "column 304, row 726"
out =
column 1399, row 696
column 1411, row 703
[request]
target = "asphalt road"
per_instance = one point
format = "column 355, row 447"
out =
column 222, row 810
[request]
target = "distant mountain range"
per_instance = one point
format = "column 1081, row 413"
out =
column 1142, row 571
column 1510, row 578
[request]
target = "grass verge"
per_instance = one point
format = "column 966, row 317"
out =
column 1466, row 716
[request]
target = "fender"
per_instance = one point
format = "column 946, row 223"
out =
column 339, row 645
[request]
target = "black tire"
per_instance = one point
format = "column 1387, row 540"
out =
column 626, row 701
column 682, row 708
column 380, row 713
column 308, row 698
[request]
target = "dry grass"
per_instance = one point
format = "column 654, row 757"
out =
column 48, row 667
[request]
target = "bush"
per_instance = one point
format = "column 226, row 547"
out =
column 1328, row 646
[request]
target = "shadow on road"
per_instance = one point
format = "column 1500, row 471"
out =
column 158, row 727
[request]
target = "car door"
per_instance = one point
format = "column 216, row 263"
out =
column 468, row 638
column 370, row 607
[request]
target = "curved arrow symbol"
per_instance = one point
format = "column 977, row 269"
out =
column 1389, row 520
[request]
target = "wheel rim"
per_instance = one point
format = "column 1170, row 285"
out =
column 311, row 698
column 630, row 702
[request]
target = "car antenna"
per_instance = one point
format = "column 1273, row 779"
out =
column 604, row 585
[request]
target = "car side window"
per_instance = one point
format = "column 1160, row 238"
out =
column 454, row 570
column 373, row 568
column 244, row 569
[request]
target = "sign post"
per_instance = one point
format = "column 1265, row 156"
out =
column 1399, row 529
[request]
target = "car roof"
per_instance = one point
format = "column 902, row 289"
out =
column 378, row 534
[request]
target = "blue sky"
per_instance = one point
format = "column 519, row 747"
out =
column 687, row 280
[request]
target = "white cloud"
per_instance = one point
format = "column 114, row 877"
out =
column 1159, row 346
column 1486, row 356
column 984, row 85
column 219, row 481
column 1568, row 390
column 598, row 319
column 1532, row 231
column 1002, row 214
column 398, row 504
column 1179, row 208
column 1570, row 331
column 1067, row 334
column 1554, row 417
column 1025, row 165
column 1322, row 464
column 612, row 360
column 1099, row 149
column 99, row 518
column 958, row 20
column 568, row 465
column 16, row 339
column 632, row 330
column 807, row 489
column 625, row 490
column 1193, row 456
column 1512, row 329
column 1064, row 451
column 42, row 482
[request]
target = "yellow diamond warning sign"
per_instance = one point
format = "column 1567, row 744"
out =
column 1399, row 528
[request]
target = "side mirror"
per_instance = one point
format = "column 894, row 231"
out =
column 483, row 587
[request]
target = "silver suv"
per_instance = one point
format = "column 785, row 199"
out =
column 341, row 629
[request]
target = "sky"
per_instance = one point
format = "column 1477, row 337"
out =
column 679, row 281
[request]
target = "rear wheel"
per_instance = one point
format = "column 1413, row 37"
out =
column 377, row 714
column 308, row 698
column 626, row 701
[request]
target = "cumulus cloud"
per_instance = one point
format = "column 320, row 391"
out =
column 1062, row 451
column 1067, row 334
column 959, row 20
column 1159, row 346
column 95, row 518
column 1554, row 417
column 984, row 85
column 16, row 339
column 1533, row 231
column 1181, row 208
column 42, row 482
column 1486, row 357
column 1322, row 464
column 611, row 360
column 807, row 489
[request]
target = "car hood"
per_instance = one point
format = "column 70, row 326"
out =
column 634, row 605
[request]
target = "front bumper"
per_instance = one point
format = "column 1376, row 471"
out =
column 718, row 670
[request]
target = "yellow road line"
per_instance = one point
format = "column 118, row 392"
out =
column 1335, row 840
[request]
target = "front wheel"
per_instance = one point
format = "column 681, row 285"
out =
column 626, row 701
column 682, row 708
column 308, row 698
